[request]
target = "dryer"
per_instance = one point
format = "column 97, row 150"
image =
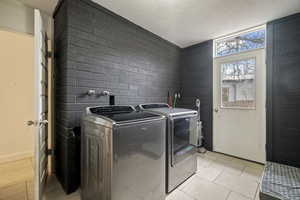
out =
column 182, row 142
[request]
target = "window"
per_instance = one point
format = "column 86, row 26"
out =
column 241, row 43
column 238, row 84
column 225, row 94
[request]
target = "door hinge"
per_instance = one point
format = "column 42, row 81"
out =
column 49, row 152
column 49, row 54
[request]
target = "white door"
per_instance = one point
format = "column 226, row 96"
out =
column 239, row 105
column 41, row 103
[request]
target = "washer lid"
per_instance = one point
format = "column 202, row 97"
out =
column 174, row 111
column 133, row 116
column 154, row 105
column 122, row 113
column 164, row 109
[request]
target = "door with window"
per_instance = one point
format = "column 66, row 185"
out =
column 239, row 102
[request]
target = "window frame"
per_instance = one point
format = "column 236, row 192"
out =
column 221, row 83
column 234, row 35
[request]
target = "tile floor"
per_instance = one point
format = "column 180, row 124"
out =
column 16, row 180
column 54, row 191
column 219, row 177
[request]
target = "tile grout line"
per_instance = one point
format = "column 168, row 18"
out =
column 230, row 191
column 257, row 190
column 192, row 197
column 235, row 191
column 213, row 181
column 244, row 168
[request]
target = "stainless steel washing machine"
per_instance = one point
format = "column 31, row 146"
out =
column 123, row 154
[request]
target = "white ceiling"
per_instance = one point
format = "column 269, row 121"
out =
column 187, row 22
column 47, row 6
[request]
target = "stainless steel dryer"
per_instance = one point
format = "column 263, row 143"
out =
column 123, row 154
column 182, row 139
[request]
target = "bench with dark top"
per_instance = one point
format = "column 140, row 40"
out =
column 280, row 182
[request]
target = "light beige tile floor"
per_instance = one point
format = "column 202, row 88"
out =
column 16, row 180
column 219, row 177
column 238, row 184
column 54, row 191
column 236, row 196
column 179, row 195
column 199, row 189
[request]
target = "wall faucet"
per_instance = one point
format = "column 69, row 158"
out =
column 111, row 97
column 91, row 92
column 105, row 93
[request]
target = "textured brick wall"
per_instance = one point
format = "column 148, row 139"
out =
column 283, row 90
column 197, row 68
column 96, row 49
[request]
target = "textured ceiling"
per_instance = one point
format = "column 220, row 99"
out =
column 187, row 22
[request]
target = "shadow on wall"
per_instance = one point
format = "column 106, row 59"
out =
column 197, row 66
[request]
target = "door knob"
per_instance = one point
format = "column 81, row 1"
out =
column 34, row 123
column 216, row 110
column 30, row 123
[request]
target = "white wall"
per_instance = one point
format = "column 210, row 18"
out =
column 16, row 36
column 16, row 17
column 17, row 95
column 16, row 77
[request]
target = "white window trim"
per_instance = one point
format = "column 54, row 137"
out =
column 221, row 84
column 233, row 35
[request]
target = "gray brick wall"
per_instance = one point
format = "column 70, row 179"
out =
column 197, row 68
column 97, row 49
column 283, row 90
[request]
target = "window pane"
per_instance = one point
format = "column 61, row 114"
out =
column 241, row 43
column 238, row 84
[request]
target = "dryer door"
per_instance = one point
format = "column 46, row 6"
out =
column 183, row 131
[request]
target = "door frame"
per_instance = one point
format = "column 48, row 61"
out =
column 42, row 75
column 216, row 80
column 269, row 85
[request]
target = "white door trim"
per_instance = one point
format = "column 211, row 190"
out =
column 260, row 93
column 41, row 104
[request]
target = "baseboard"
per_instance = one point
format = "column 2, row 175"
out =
column 16, row 156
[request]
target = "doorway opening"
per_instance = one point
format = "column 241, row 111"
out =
column 17, row 106
column 26, row 105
